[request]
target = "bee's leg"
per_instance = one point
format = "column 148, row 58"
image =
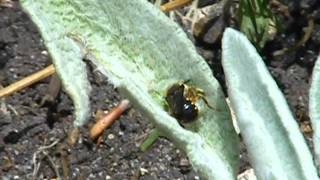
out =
column 186, row 81
column 207, row 103
column 200, row 92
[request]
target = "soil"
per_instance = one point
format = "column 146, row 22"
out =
column 26, row 127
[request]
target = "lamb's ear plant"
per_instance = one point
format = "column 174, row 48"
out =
column 143, row 53
column 314, row 110
column 276, row 147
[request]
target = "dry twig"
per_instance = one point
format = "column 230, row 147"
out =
column 172, row 5
column 98, row 128
column 43, row 150
column 25, row 82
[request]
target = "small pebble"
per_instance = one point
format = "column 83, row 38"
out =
column 184, row 162
column 110, row 136
column 143, row 171
column 44, row 52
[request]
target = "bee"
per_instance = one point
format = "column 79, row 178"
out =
column 181, row 100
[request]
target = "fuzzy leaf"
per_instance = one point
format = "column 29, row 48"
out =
column 314, row 110
column 143, row 53
column 275, row 145
column 67, row 55
column 72, row 71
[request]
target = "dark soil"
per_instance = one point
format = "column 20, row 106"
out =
column 25, row 126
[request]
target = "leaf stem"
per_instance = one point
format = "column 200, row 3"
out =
column 152, row 137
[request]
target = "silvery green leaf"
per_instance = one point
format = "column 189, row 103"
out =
column 142, row 52
column 276, row 148
column 66, row 53
column 314, row 110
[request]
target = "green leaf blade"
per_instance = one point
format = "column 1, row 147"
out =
column 65, row 52
column 143, row 53
column 72, row 71
column 276, row 148
column 314, row 110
